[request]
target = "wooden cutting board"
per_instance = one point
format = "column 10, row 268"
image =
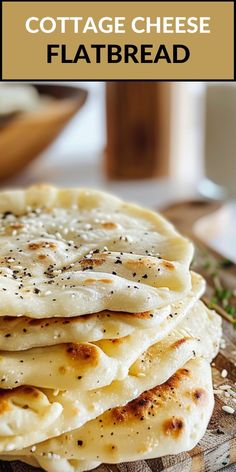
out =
column 217, row 450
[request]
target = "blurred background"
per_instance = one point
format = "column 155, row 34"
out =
column 151, row 142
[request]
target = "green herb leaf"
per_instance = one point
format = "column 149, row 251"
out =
column 231, row 310
column 207, row 264
column 225, row 264
column 223, row 294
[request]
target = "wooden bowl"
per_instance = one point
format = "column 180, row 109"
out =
column 23, row 136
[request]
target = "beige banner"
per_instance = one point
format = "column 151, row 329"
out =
column 73, row 48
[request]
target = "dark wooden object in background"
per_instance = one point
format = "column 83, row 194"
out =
column 138, row 129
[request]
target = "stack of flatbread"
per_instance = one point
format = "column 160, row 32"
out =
column 105, row 346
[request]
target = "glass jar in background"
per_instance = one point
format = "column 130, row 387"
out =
column 220, row 140
column 187, row 132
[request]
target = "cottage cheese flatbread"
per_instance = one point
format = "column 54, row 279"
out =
column 168, row 419
column 26, row 418
column 55, row 465
column 19, row 333
column 89, row 365
column 69, row 252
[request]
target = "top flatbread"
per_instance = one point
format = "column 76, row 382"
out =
column 73, row 252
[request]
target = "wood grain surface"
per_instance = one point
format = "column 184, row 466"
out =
column 217, row 450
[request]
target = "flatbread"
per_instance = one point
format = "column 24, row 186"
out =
column 55, row 465
column 66, row 252
column 168, row 419
column 23, row 408
column 64, row 465
column 88, row 365
column 19, row 333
